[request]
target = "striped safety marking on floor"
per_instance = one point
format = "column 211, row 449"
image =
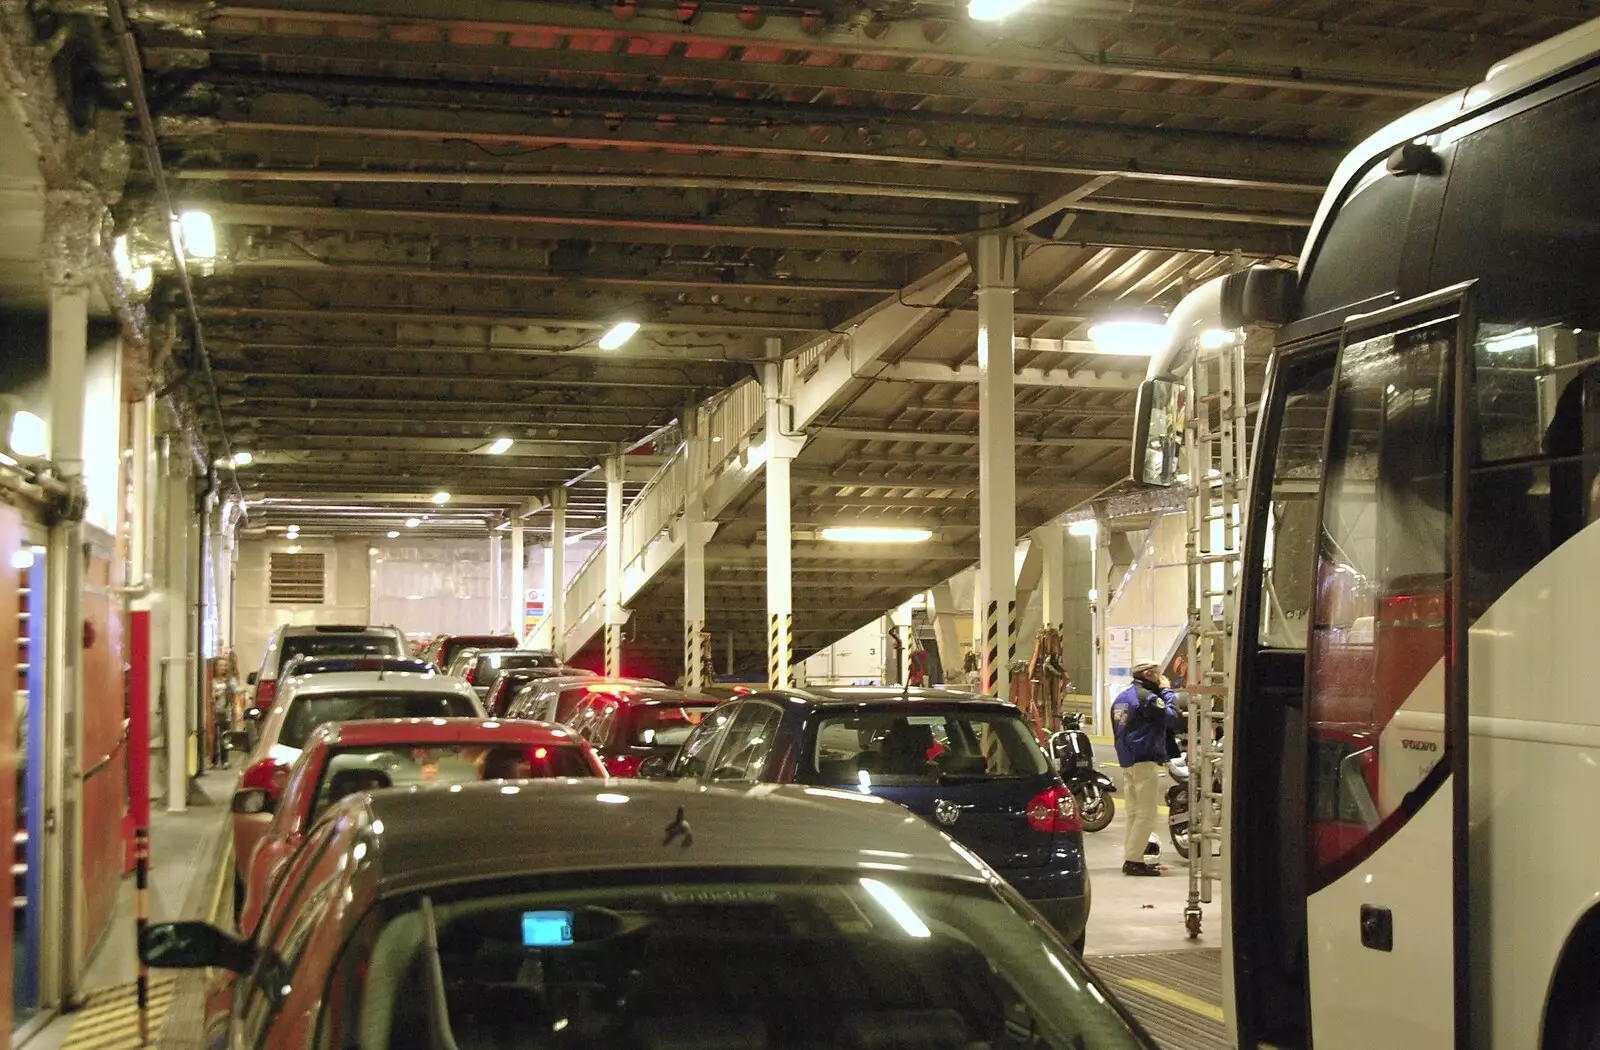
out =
column 109, row 1018
column 1176, row 995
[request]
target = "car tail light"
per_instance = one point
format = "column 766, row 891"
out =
column 471, row 669
column 266, row 689
column 1054, row 809
column 497, row 698
column 622, row 765
column 266, row 775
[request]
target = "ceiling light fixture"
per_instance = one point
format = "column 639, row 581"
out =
column 120, row 256
column 991, row 10
column 1217, row 338
column 875, row 534
column 1086, row 527
column 199, row 235
column 618, row 334
column 393, row 535
column 501, row 446
column 441, row 498
column 29, row 437
column 1130, row 335
column 243, row 459
column 412, row 523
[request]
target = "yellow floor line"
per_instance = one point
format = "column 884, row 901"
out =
column 214, row 916
column 110, row 1020
column 1210, row 1011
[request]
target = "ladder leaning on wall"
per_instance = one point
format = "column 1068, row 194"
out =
column 1217, row 460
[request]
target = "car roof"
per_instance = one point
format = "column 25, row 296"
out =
column 570, row 681
column 301, row 665
column 379, row 682
column 498, row 829
column 889, row 697
column 293, row 630
column 370, row 732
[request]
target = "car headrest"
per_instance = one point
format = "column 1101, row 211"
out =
column 349, row 781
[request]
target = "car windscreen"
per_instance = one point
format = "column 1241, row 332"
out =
column 374, row 767
column 491, row 664
column 307, row 712
column 338, row 645
column 664, row 724
column 921, row 748
column 779, row 958
column 455, row 645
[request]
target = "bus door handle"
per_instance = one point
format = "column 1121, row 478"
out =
column 1377, row 928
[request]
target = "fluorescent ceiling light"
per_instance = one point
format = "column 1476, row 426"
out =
column 1134, row 338
column 392, row 534
column 990, row 10
column 412, row 523
column 618, row 334
column 441, row 497
column 1216, row 338
column 294, row 550
column 199, row 235
column 243, row 459
column 500, row 446
column 875, row 534
column 29, row 437
column 897, row 908
column 1086, row 527
column 22, row 558
column 1510, row 342
column 143, row 278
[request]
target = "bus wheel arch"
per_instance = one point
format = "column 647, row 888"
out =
column 1572, row 1011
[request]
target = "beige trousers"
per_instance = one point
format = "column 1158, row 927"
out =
column 1142, row 789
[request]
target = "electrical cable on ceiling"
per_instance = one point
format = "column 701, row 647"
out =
column 133, row 63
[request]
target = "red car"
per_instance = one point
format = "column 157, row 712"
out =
column 443, row 649
column 343, row 758
column 637, row 730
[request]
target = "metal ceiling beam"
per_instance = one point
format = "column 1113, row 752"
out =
column 1259, row 58
column 338, row 445
column 253, row 373
column 466, row 223
column 631, row 72
column 924, row 140
column 1171, row 233
column 967, row 375
column 949, row 438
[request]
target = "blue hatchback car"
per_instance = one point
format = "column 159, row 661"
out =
column 968, row 764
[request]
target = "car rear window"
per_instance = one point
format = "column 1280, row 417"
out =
column 491, row 664
column 308, row 712
column 455, row 645
column 665, row 725
column 925, row 748
column 352, row 769
column 339, row 645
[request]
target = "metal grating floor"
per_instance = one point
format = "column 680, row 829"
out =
column 1177, row 996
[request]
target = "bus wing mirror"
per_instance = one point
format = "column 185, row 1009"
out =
column 1158, row 432
column 1261, row 295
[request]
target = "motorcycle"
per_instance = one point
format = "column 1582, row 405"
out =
column 1178, row 803
column 1073, row 752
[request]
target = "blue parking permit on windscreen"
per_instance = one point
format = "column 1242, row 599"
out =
column 546, row 929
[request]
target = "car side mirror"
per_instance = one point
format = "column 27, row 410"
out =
column 250, row 679
column 1158, row 425
column 193, row 946
column 252, row 800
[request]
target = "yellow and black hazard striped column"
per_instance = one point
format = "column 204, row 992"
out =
column 991, row 650
column 695, row 651
column 614, row 649
column 780, row 649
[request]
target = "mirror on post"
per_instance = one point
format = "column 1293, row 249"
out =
column 193, row 945
column 1158, row 432
column 250, row 679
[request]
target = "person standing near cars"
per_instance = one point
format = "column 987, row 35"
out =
column 1141, row 717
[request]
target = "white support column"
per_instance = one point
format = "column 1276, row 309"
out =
column 497, row 575
column 781, row 450
column 1100, row 573
column 176, row 676
column 697, row 670
column 997, row 482
column 1051, row 538
column 897, row 654
column 556, row 582
column 942, row 609
column 518, row 603
column 63, row 746
column 615, row 615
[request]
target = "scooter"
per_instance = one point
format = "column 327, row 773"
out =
column 1178, row 803
column 1074, row 756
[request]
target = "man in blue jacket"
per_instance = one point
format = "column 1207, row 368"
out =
column 1141, row 715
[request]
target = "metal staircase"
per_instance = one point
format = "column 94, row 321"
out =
column 1217, row 451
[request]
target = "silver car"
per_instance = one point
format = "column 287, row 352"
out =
column 589, row 914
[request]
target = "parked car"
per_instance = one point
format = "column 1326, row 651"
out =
column 638, row 730
column 318, row 640
column 479, row 667
column 554, row 699
column 578, row 915
column 443, row 649
column 304, row 665
column 306, row 702
column 510, row 682
column 341, row 758
column 968, row 764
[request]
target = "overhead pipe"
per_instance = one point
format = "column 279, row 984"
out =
column 133, row 69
